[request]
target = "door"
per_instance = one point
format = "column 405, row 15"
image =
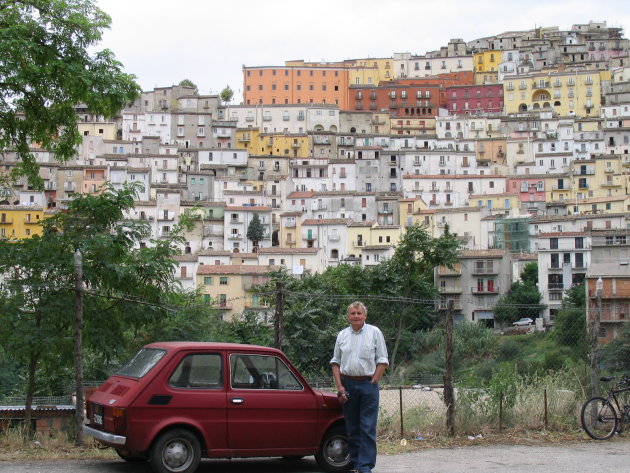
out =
column 268, row 407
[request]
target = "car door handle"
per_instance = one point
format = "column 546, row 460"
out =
column 237, row 400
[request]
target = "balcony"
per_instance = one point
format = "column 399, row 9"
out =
column 333, row 237
column 309, row 237
column 485, row 270
column 235, row 236
column 223, row 306
column 444, row 271
column 244, row 139
column 386, row 211
column 289, row 223
column 555, row 286
column 28, row 221
column 6, row 221
column 358, row 243
column 249, row 119
column 484, row 290
column 450, row 290
column 267, row 118
column 540, row 85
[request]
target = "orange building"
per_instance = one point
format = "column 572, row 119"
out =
column 298, row 84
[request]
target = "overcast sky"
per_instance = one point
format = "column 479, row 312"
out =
column 207, row 41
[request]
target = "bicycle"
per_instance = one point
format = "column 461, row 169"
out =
column 602, row 417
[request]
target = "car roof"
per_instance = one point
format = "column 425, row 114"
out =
column 212, row 346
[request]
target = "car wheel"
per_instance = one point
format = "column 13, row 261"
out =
column 333, row 455
column 131, row 456
column 176, row 451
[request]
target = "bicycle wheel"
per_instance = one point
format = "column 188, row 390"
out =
column 599, row 418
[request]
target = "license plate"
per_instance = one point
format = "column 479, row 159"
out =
column 97, row 415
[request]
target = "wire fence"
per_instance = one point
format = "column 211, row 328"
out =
column 499, row 375
column 503, row 376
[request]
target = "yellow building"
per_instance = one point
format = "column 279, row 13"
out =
column 370, row 71
column 599, row 177
column 228, row 287
column 597, row 205
column 273, row 144
column 362, row 234
column 496, row 203
column 106, row 130
column 20, row 221
column 488, row 61
column 290, row 230
column 565, row 92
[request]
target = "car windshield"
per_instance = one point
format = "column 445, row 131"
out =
column 141, row 363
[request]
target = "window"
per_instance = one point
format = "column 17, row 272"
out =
column 207, row 280
column 198, row 371
column 553, row 243
column 261, row 372
column 223, row 280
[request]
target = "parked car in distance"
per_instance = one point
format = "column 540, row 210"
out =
column 522, row 322
column 176, row 402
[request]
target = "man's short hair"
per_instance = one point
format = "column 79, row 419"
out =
column 358, row 305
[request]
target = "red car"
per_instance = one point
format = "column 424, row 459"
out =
column 176, row 402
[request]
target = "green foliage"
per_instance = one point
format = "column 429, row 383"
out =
column 255, row 230
column 131, row 298
column 529, row 275
column 189, row 83
column 226, row 94
column 522, row 300
column 46, row 70
column 616, row 355
column 569, row 325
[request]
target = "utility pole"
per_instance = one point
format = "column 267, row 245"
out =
column 599, row 285
column 449, row 391
column 78, row 346
column 279, row 316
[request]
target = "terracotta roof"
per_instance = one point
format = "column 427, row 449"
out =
column 484, row 253
column 327, row 221
column 235, row 269
column 560, row 234
column 253, row 208
column 287, row 251
column 214, row 253
column 367, row 223
column 300, row 195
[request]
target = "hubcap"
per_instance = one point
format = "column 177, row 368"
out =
column 177, row 455
column 337, row 451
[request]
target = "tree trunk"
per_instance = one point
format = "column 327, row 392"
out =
column 30, row 391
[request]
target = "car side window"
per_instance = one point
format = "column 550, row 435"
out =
column 198, row 371
column 262, row 372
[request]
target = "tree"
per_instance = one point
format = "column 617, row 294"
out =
column 569, row 325
column 522, row 300
column 226, row 94
column 46, row 71
column 255, row 231
column 129, row 289
column 189, row 83
column 529, row 275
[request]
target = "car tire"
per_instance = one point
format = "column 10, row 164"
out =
column 333, row 455
column 176, row 451
column 131, row 456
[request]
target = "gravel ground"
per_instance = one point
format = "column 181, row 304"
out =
column 591, row 457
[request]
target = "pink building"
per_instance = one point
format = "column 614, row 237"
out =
column 462, row 99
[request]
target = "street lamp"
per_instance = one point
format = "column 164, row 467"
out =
column 599, row 286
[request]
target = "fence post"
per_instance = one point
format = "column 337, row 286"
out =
column 449, row 395
column 546, row 412
column 500, row 411
column 279, row 316
column 594, row 334
column 400, row 403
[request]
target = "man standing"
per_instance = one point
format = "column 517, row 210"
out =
column 358, row 363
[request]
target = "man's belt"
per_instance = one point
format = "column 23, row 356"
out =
column 357, row 378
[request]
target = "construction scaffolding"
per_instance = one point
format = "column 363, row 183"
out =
column 512, row 234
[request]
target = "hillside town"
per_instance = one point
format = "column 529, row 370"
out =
column 516, row 142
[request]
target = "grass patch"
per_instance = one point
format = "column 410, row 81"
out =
column 53, row 446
